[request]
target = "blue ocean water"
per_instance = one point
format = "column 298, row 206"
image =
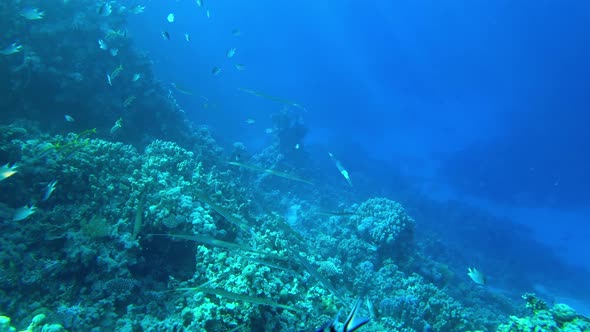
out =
column 257, row 132
column 486, row 99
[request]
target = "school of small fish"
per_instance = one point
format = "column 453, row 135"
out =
column 171, row 18
column 109, row 39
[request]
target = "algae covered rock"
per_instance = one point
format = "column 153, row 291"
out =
column 559, row 318
column 563, row 313
column 5, row 324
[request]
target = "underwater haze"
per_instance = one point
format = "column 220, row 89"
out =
column 488, row 100
column 216, row 165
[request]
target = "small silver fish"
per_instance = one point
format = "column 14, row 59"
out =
column 165, row 35
column 69, row 118
column 236, row 32
column 231, row 52
column 170, row 18
column 208, row 13
column 24, row 212
column 109, row 80
column 136, row 77
column 215, row 70
column 7, row 171
column 102, row 45
column 250, row 121
column 187, row 37
column 240, row 67
column 341, row 168
column 49, row 190
column 31, row 13
column 137, row 9
column 105, row 9
column 118, row 125
column 114, row 51
column 200, row 3
column 11, row 49
column 475, row 275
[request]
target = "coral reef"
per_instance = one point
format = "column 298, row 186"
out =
column 135, row 221
column 169, row 237
column 560, row 317
column 385, row 224
column 5, row 325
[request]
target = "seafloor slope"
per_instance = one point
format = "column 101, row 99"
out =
column 150, row 229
